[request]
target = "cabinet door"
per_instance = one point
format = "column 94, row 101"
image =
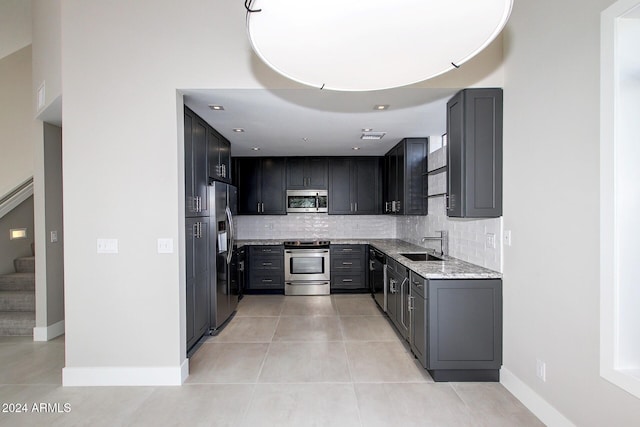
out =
column 418, row 323
column 248, row 181
column 367, row 194
column 400, row 177
column 224, row 152
column 340, row 186
column 200, row 166
column 465, row 324
column 189, row 236
column 197, row 280
column 201, row 265
column 392, row 295
column 273, row 194
column 474, row 167
column 189, row 192
column 392, row 179
column 415, row 160
column 317, row 173
column 296, row 178
column 213, row 142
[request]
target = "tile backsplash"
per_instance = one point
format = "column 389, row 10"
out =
column 314, row 225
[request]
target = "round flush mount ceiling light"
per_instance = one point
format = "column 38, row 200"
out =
column 371, row 45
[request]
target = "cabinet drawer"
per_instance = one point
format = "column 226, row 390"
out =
column 418, row 285
column 346, row 250
column 347, row 264
column 266, row 281
column 347, row 281
column 267, row 263
column 268, row 250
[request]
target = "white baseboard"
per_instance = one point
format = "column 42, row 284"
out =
column 549, row 415
column 126, row 376
column 46, row 333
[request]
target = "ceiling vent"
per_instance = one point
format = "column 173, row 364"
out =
column 372, row 135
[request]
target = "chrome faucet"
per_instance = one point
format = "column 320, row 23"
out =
column 444, row 241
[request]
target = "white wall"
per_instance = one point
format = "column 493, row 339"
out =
column 17, row 130
column 47, row 33
column 551, row 169
column 15, row 25
column 123, row 173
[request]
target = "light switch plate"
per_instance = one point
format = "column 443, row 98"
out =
column 165, row 246
column 107, row 246
column 54, row 236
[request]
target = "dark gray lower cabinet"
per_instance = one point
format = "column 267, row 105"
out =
column 456, row 328
column 398, row 296
column 348, row 268
column 266, row 269
column 197, row 266
column 419, row 321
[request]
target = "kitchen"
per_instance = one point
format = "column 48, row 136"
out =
column 549, row 63
column 312, row 225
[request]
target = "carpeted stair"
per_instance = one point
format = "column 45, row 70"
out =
column 18, row 298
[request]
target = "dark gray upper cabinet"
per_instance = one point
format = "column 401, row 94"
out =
column 405, row 168
column 474, row 164
column 219, row 156
column 307, row 173
column 354, row 185
column 261, row 185
column 196, row 172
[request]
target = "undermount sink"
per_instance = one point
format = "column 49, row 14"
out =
column 422, row 257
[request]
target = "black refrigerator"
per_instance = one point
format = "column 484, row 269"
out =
column 223, row 290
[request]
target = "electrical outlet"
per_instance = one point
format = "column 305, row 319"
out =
column 107, row 246
column 490, row 241
column 165, row 246
column 541, row 370
column 507, row 237
column 54, row 236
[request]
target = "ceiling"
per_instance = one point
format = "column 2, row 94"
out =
column 277, row 121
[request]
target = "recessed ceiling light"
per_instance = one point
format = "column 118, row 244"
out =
column 216, row 107
column 238, row 130
column 255, row 148
column 355, row 148
column 380, row 107
column 305, row 139
column 367, row 129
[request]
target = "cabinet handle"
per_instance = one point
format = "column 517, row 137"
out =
column 446, row 202
column 347, row 250
column 347, row 263
column 224, row 171
column 398, row 205
column 351, row 207
column 347, row 280
column 266, row 250
column 262, row 207
column 267, row 280
column 371, row 268
column 267, row 263
column 410, row 305
column 393, row 206
column 258, row 208
column 356, row 206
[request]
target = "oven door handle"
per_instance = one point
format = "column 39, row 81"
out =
column 306, row 251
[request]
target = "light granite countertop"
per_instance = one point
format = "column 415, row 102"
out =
column 451, row 268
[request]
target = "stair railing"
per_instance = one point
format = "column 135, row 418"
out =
column 16, row 196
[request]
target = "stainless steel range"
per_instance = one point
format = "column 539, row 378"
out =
column 307, row 268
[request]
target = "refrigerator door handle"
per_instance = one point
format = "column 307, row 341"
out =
column 232, row 236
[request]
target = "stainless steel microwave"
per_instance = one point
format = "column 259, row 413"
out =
column 307, row 201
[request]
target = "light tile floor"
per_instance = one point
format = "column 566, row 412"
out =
column 282, row 361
